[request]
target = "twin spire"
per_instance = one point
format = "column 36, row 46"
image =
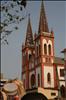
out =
column 29, row 35
column 43, row 26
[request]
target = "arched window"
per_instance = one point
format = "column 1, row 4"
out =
column 30, row 56
column 49, row 49
column 32, row 80
column 38, row 79
column 48, row 78
column 62, row 90
column 45, row 49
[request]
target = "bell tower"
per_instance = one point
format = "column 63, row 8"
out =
column 27, row 52
column 44, row 50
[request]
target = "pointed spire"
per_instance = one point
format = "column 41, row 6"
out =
column 29, row 36
column 43, row 25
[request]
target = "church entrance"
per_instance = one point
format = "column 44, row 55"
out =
column 34, row 96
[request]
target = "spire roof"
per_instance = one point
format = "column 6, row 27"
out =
column 43, row 25
column 29, row 36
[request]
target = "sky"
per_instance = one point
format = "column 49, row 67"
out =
column 11, row 55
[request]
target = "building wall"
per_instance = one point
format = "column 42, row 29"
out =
column 38, row 71
column 61, row 78
column 65, row 55
column 24, row 80
column 62, row 83
column 59, row 67
column 47, row 70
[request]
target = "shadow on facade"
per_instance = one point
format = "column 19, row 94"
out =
column 34, row 96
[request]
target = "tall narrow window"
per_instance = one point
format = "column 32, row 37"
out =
column 62, row 72
column 45, row 49
column 32, row 80
column 38, row 80
column 39, row 50
column 30, row 56
column 49, row 49
column 62, row 90
column 48, row 78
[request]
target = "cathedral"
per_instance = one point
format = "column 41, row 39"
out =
column 42, row 71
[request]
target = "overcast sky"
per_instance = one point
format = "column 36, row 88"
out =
column 11, row 59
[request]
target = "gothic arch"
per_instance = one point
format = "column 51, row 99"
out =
column 49, row 78
column 45, row 48
column 29, row 54
column 32, row 80
column 62, row 90
column 38, row 79
column 49, row 49
column 44, row 42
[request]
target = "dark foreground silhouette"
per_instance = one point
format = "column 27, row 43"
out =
column 34, row 96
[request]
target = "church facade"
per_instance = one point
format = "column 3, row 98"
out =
column 40, row 67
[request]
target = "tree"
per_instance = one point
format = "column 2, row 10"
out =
column 11, row 16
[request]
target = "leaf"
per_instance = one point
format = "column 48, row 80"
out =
column 22, row 18
column 11, row 19
column 12, row 5
column 5, row 24
column 6, row 10
column 23, row 2
column 6, row 41
column 9, row 14
column 3, row 8
column 17, row 17
column 16, row 28
column 17, row 11
column 1, row 27
column 18, row 3
column 21, row 8
column 8, row 32
column 0, row 8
